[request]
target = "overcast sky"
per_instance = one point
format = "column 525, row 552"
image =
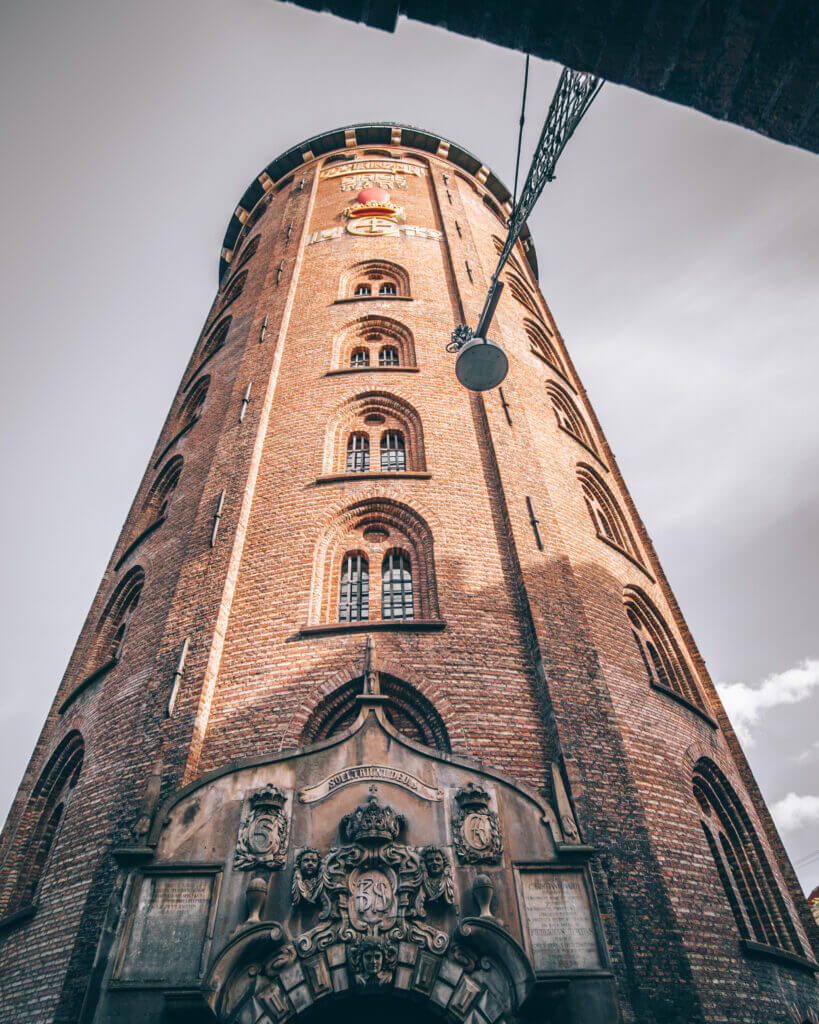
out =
column 680, row 257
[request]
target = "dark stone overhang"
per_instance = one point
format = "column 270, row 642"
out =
column 753, row 62
column 372, row 134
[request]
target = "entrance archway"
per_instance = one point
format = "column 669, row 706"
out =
column 374, row 1008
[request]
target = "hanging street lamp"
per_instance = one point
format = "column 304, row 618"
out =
column 481, row 363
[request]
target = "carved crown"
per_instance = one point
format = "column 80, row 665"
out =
column 473, row 798
column 269, row 798
column 370, row 822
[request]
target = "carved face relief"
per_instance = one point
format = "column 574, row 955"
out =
column 309, row 864
column 434, row 861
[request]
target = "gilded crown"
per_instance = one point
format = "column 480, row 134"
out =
column 370, row 822
column 269, row 798
column 472, row 797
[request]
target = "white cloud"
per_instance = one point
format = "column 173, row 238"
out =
column 745, row 704
column 793, row 811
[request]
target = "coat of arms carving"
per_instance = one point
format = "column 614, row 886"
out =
column 263, row 834
column 476, row 831
column 373, row 887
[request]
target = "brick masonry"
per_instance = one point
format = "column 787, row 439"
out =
column 525, row 651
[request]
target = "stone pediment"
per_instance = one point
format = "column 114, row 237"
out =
column 363, row 862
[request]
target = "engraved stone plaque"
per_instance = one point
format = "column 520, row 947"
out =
column 168, row 927
column 559, row 920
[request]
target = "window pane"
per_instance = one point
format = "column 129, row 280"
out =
column 354, row 590
column 393, row 455
column 396, row 587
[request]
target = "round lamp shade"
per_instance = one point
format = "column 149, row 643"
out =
column 481, row 365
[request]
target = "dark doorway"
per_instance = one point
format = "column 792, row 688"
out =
column 372, row 1009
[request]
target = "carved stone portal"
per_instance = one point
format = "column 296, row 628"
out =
column 263, row 834
column 372, row 887
column 476, row 831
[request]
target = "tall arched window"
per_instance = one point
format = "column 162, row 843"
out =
column 663, row 660
column 751, row 889
column 393, row 453
column 608, row 520
column 233, row 290
column 388, row 356
column 161, row 492
column 568, row 416
column 354, row 589
column 113, row 625
column 40, row 824
column 396, row 586
column 360, row 357
column 358, row 453
column 191, row 408
column 541, row 345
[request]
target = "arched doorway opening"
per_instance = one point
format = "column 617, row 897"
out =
column 373, row 1008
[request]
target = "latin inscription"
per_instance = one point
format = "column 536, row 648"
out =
column 558, row 915
column 168, row 930
column 409, row 230
column 369, row 773
column 372, row 167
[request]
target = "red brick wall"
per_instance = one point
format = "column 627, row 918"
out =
column 529, row 658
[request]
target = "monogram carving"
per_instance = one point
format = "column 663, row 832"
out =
column 263, row 834
column 372, row 887
column 476, row 831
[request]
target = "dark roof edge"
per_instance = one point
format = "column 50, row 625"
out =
column 374, row 133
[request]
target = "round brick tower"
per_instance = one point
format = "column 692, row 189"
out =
column 384, row 700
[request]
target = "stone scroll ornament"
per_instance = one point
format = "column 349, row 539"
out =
column 372, row 887
column 263, row 834
column 476, row 831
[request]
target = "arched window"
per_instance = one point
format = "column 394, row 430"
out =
column 608, row 520
column 408, row 712
column 354, row 589
column 252, row 246
column 358, row 453
column 113, row 625
column 360, row 357
column 388, row 356
column 382, row 531
column 396, row 586
column 215, row 340
column 393, row 453
column 520, row 290
column 665, row 665
column 370, row 334
column 541, row 345
column 191, row 408
column 751, row 889
column 40, row 824
column 568, row 416
column 374, row 277
column 159, row 497
column 233, row 290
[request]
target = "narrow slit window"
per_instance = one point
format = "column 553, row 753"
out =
column 354, row 589
column 393, row 452
column 358, row 453
column 396, row 587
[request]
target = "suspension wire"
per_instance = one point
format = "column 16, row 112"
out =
column 520, row 130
